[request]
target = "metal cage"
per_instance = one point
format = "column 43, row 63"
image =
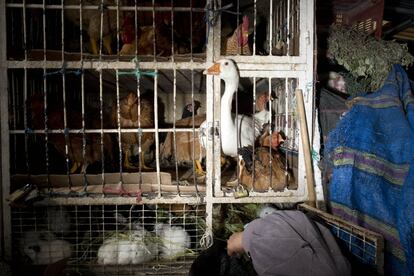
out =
column 77, row 73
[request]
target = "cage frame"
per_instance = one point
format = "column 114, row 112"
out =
column 301, row 67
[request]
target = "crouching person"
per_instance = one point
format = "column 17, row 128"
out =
column 289, row 243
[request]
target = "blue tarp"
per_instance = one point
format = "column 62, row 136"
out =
column 372, row 150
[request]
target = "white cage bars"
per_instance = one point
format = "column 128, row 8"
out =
column 40, row 56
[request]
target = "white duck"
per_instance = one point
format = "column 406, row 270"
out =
column 237, row 131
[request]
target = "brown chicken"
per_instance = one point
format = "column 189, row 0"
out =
column 74, row 142
column 128, row 119
column 185, row 140
column 145, row 38
column 265, row 175
column 238, row 42
column 92, row 22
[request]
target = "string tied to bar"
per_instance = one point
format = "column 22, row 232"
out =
column 137, row 72
column 28, row 130
column 315, row 155
column 63, row 71
column 207, row 239
column 212, row 14
column 309, row 86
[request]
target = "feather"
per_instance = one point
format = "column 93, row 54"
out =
column 185, row 141
column 44, row 248
column 237, row 43
column 135, row 247
column 247, row 154
column 128, row 110
column 91, row 20
column 174, row 240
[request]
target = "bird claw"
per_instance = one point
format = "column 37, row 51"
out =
column 232, row 182
column 74, row 167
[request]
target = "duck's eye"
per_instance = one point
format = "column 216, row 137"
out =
column 226, row 63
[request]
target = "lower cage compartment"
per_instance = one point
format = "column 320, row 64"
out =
column 160, row 239
column 155, row 239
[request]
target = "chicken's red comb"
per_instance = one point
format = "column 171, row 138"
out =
column 245, row 24
column 242, row 38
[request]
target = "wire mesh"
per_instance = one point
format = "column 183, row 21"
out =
column 80, row 59
column 364, row 246
column 122, row 239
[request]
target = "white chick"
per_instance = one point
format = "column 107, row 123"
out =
column 45, row 249
column 123, row 252
column 174, row 240
column 137, row 249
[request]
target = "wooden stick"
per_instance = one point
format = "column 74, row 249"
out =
column 300, row 106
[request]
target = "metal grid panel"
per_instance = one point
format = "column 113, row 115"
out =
column 179, row 26
column 151, row 239
column 282, row 23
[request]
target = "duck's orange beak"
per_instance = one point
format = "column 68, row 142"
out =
column 213, row 70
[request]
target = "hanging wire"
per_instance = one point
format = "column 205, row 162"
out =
column 62, row 71
column 213, row 13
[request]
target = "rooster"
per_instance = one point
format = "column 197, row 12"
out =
column 92, row 22
column 238, row 42
column 128, row 116
column 74, row 142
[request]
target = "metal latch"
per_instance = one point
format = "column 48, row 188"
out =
column 213, row 130
column 240, row 192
